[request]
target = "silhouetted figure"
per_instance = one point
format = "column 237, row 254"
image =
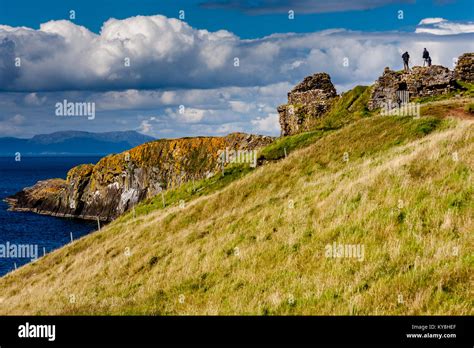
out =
column 426, row 57
column 406, row 59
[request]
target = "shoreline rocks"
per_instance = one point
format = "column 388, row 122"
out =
column 118, row 182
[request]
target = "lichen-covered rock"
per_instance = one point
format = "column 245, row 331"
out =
column 464, row 70
column 118, row 182
column 308, row 101
column 418, row 82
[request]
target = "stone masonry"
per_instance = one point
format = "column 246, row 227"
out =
column 308, row 101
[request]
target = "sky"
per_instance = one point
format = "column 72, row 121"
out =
column 203, row 67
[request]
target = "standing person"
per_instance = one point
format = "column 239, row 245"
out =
column 426, row 57
column 406, row 59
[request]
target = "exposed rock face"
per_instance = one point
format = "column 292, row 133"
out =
column 308, row 101
column 419, row 82
column 118, row 182
column 464, row 70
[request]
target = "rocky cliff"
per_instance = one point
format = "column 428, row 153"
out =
column 118, row 182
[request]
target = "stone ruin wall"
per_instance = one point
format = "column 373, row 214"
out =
column 307, row 102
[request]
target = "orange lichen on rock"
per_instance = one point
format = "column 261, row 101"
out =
column 119, row 181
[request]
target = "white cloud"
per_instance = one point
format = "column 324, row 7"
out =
column 431, row 20
column 240, row 106
column 12, row 126
column 18, row 119
column 267, row 125
column 173, row 64
column 161, row 51
column 34, row 99
column 440, row 26
column 168, row 53
column 146, row 127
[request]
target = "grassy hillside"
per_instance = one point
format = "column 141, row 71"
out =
column 255, row 241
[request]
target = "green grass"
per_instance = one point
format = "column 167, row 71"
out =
column 189, row 190
column 253, row 241
column 276, row 150
column 351, row 106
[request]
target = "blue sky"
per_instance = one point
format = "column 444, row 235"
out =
column 190, row 64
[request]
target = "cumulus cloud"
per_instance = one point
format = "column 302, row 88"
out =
column 173, row 64
column 147, row 53
column 441, row 26
column 267, row 125
column 137, row 52
column 145, row 127
column 11, row 125
column 33, row 99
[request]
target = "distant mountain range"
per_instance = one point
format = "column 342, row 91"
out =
column 73, row 143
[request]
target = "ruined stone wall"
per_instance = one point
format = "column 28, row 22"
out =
column 308, row 101
column 421, row 82
column 464, row 70
column 418, row 82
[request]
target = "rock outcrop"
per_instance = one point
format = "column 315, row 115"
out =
column 418, row 82
column 308, row 101
column 118, row 182
column 464, row 70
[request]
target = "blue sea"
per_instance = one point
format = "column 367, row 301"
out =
column 38, row 232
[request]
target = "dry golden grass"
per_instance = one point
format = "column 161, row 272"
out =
column 257, row 246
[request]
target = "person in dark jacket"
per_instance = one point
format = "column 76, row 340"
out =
column 406, row 59
column 426, row 57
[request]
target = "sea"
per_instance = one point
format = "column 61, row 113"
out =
column 25, row 236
